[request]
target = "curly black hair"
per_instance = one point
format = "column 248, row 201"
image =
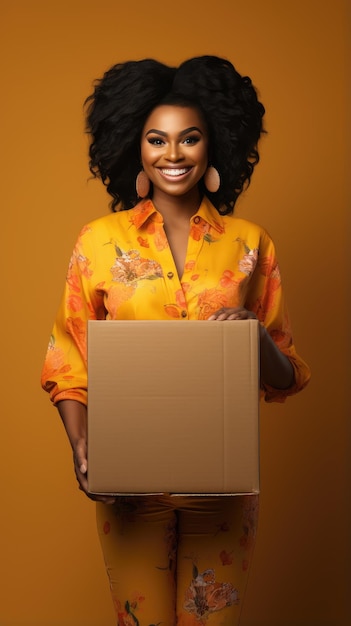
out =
column 128, row 92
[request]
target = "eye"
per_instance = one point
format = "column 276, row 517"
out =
column 155, row 141
column 192, row 140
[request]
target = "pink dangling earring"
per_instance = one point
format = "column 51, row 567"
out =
column 212, row 179
column 142, row 184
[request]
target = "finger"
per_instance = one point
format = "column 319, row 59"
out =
column 81, row 457
column 97, row 498
column 106, row 499
column 81, row 473
column 81, row 466
column 221, row 314
column 222, row 317
column 82, row 480
column 237, row 315
column 241, row 314
column 226, row 314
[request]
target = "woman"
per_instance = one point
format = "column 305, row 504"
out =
column 175, row 147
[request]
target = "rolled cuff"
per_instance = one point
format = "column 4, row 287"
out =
column 62, row 391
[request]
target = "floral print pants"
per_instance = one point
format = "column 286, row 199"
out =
column 178, row 560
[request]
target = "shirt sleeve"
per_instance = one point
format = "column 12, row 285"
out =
column 64, row 374
column 266, row 299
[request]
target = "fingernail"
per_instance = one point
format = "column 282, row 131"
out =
column 83, row 468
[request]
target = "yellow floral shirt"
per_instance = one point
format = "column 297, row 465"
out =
column 122, row 268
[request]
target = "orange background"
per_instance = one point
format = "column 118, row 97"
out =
column 296, row 51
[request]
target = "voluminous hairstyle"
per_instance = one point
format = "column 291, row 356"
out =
column 127, row 93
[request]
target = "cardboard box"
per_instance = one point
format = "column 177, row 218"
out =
column 173, row 407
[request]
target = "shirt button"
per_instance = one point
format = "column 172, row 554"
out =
column 197, row 219
column 184, row 314
column 170, row 275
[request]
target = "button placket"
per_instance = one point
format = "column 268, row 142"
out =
column 172, row 283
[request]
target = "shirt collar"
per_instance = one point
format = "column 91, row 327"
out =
column 142, row 212
column 145, row 210
column 210, row 214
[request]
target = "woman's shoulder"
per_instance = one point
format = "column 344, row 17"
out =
column 246, row 227
column 105, row 224
column 253, row 235
column 122, row 219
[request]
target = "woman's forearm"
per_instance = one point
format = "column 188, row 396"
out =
column 74, row 418
column 276, row 369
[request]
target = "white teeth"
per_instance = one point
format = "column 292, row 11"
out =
column 174, row 172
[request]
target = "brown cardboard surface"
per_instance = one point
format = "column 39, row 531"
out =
column 173, row 407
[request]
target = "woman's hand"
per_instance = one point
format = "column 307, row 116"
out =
column 236, row 313
column 80, row 462
column 74, row 417
column 81, row 470
column 275, row 367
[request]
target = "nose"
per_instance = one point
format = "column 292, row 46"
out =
column 173, row 152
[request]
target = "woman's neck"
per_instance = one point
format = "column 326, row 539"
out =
column 177, row 208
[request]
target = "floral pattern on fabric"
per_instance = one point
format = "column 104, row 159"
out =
column 247, row 538
column 54, row 364
column 248, row 263
column 126, row 616
column 130, row 267
column 205, row 595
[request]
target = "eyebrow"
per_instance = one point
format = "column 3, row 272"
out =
column 181, row 134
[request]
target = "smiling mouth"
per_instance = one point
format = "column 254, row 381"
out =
column 175, row 171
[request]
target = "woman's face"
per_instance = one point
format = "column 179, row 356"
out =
column 174, row 149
